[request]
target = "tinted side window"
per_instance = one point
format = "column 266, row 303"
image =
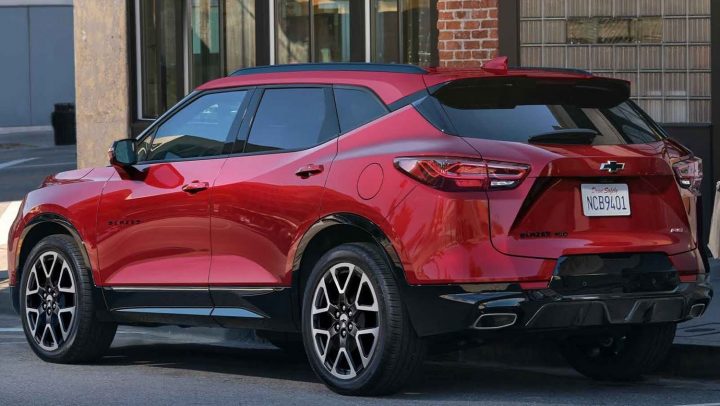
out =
column 292, row 119
column 356, row 108
column 200, row 129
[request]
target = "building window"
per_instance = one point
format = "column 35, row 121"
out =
column 162, row 69
column 182, row 44
column 205, row 43
column 403, row 31
column 292, row 31
column 331, row 20
column 661, row 47
column 239, row 24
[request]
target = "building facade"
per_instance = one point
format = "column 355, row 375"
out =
column 36, row 50
column 156, row 51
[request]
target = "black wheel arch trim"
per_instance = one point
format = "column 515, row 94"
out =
column 56, row 219
column 346, row 219
column 354, row 220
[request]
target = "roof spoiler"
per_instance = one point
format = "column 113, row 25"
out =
column 511, row 91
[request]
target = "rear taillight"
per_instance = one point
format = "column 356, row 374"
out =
column 689, row 173
column 463, row 174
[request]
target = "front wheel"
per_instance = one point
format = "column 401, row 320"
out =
column 356, row 331
column 57, row 305
column 623, row 356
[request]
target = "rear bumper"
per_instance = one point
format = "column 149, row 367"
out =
column 456, row 309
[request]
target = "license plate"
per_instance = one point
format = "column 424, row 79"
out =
column 605, row 200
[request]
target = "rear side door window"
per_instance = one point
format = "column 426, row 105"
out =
column 292, row 119
column 357, row 107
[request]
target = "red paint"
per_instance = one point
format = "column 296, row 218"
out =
column 240, row 219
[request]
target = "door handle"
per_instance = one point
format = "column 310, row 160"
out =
column 309, row 170
column 195, row 186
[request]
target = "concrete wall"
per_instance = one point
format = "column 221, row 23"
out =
column 102, row 77
column 36, row 50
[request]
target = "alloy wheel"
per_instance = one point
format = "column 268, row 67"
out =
column 50, row 300
column 345, row 320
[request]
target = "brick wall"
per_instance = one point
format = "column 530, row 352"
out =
column 468, row 32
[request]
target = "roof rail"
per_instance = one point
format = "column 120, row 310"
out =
column 559, row 70
column 345, row 66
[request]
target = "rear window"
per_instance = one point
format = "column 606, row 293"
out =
column 522, row 111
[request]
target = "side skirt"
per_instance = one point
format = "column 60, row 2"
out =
column 230, row 307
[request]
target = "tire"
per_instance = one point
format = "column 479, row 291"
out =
column 65, row 298
column 373, row 331
column 623, row 357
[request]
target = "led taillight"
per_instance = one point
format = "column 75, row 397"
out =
column 689, row 173
column 463, row 174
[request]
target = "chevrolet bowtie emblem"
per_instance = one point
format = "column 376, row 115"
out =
column 612, row 166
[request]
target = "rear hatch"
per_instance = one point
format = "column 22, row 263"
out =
column 603, row 179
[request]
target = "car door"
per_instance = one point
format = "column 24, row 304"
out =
column 273, row 188
column 154, row 220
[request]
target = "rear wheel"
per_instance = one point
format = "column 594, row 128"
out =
column 57, row 304
column 620, row 357
column 356, row 331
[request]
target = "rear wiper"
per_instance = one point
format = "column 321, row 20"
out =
column 575, row 136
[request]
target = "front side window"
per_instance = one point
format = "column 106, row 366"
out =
column 199, row 129
column 292, row 119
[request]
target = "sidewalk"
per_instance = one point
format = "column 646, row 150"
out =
column 8, row 210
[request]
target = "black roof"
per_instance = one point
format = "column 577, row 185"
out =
column 349, row 66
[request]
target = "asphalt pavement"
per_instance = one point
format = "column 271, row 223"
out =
column 26, row 158
column 170, row 367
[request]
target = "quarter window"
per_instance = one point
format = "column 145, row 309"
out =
column 292, row 119
column 357, row 108
column 199, row 129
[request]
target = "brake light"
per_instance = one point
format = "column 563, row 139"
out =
column 689, row 173
column 461, row 174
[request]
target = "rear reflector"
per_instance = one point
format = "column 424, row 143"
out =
column 463, row 174
column 689, row 173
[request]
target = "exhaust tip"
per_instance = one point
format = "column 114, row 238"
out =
column 495, row 321
column 697, row 310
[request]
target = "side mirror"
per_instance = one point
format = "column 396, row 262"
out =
column 122, row 153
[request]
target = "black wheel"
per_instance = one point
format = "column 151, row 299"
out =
column 620, row 357
column 357, row 333
column 56, row 304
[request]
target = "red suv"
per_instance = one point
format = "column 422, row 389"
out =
column 372, row 211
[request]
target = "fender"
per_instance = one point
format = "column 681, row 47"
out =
column 353, row 220
column 66, row 224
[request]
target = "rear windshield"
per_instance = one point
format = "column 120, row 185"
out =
column 521, row 115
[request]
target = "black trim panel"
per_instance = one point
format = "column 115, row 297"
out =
column 141, row 297
column 232, row 307
column 407, row 100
